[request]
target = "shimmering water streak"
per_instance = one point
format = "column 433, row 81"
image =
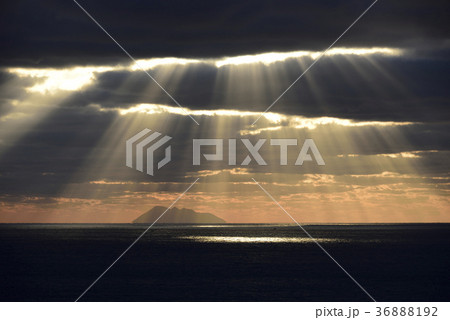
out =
column 224, row 239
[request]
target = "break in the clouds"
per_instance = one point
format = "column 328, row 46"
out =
column 376, row 105
column 353, row 83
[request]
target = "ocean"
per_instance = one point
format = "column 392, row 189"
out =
column 57, row 262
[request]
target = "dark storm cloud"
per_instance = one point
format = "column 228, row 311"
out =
column 58, row 33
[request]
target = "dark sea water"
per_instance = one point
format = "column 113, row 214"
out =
column 225, row 263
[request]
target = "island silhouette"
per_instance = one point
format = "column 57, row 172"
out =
column 175, row 215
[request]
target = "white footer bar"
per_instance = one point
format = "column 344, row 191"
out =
column 234, row 310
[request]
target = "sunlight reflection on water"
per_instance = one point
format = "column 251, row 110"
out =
column 258, row 239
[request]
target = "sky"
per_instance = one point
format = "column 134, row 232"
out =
column 376, row 106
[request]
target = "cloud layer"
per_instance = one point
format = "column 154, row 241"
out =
column 51, row 33
column 376, row 105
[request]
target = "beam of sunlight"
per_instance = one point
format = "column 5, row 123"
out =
column 272, row 57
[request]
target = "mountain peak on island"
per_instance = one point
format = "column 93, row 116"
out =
column 175, row 215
